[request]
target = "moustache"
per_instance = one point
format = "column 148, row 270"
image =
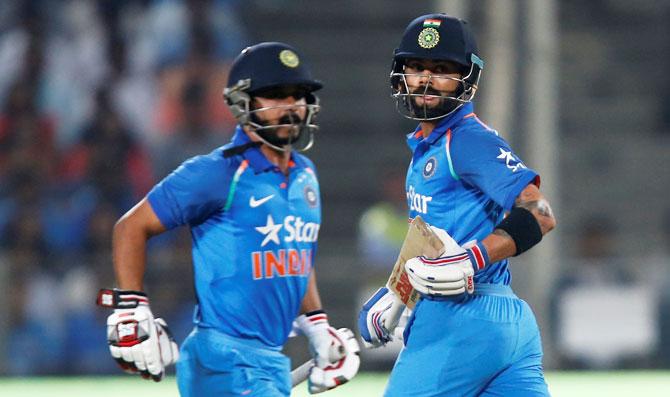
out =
column 426, row 90
column 290, row 118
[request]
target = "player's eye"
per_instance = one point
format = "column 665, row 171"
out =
column 283, row 92
column 415, row 67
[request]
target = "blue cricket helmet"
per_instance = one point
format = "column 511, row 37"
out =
column 436, row 37
column 271, row 64
column 256, row 72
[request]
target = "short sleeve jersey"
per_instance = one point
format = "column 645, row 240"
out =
column 254, row 235
column 463, row 178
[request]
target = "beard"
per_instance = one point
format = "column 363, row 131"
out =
column 286, row 131
column 441, row 108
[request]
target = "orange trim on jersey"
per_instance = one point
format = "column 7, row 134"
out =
column 418, row 134
column 231, row 190
column 467, row 116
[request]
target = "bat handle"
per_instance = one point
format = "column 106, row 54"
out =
column 301, row 373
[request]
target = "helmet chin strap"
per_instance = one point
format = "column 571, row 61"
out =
column 406, row 101
column 300, row 131
column 301, row 137
column 268, row 138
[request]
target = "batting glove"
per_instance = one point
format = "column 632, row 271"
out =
column 330, row 349
column 379, row 317
column 448, row 275
column 340, row 371
column 137, row 341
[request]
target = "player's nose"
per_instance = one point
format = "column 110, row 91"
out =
column 425, row 77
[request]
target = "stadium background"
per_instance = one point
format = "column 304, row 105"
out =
column 101, row 99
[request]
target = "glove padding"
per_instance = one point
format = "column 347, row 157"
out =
column 137, row 341
column 444, row 276
column 335, row 352
column 452, row 273
column 379, row 317
column 340, row 371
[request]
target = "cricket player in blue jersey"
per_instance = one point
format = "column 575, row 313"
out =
column 469, row 335
column 254, row 212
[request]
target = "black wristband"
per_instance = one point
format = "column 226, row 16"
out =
column 524, row 229
column 121, row 299
column 314, row 312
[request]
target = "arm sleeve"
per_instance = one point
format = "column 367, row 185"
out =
column 485, row 160
column 192, row 192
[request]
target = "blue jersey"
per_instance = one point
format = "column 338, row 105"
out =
column 254, row 232
column 463, row 178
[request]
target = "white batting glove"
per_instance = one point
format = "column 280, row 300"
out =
column 379, row 317
column 137, row 341
column 321, row 336
column 340, row 371
column 452, row 274
column 329, row 349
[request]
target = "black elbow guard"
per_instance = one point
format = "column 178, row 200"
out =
column 524, row 229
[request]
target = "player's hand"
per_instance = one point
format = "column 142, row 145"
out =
column 340, row 371
column 323, row 340
column 137, row 341
column 379, row 317
column 451, row 274
column 335, row 352
column 445, row 276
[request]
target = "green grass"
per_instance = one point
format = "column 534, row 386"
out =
column 561, row 384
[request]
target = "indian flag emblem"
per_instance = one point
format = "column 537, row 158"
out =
column 428, row 38
column 431, row 23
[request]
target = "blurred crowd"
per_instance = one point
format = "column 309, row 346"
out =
column 98, row 101
column 101, row 99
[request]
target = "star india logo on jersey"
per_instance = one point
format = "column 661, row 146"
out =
column 511, row 162
column 417, row 202
column 284, row 262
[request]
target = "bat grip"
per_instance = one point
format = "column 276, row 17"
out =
column 300, row 374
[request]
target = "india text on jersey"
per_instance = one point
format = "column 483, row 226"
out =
column 281, row 263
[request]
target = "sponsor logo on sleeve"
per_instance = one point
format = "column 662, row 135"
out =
column 511, row 161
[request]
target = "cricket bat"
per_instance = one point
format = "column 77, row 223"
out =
column 420, row 240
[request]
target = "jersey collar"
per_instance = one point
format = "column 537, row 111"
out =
column 256, row 158
column 441, row 128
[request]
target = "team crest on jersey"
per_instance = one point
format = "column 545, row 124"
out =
column 310, row 196
column 430, row 167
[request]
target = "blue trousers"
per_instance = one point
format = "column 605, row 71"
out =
column 215, row 364
column 487, row 344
